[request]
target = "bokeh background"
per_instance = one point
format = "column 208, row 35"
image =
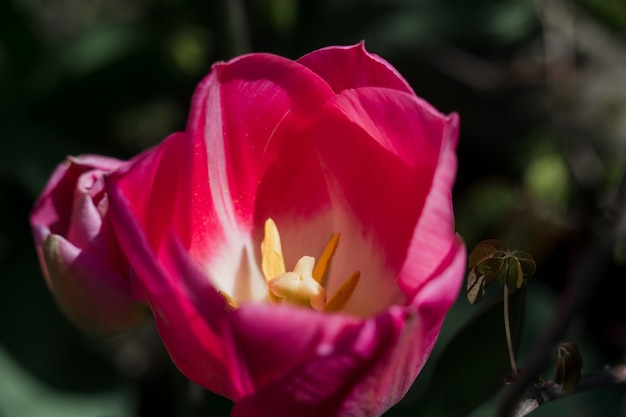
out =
column 540, row 86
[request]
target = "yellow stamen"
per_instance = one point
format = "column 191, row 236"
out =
column 272, row 262
column 343, row 294
column 320, row 272
column 305, row 284
column 299, row 287
column 230, row 300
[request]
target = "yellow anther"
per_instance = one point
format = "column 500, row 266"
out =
column 272, row 261
column 343, row 294
column 320, row 272
column 299, row 287
column 230, row 300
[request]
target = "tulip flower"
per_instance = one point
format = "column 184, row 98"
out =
column 296, row 243
column 81, row 261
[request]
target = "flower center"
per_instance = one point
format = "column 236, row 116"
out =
column 304, row 286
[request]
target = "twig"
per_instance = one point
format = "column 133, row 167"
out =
column 547, row 391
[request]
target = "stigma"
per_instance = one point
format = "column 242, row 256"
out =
column 299, row 287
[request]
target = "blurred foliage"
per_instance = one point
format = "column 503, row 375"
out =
column 540, row 86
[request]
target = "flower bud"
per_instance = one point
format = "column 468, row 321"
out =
column 81, row 262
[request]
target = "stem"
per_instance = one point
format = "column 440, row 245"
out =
column 507, row 329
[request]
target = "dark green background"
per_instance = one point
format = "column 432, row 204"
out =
column 541, row 90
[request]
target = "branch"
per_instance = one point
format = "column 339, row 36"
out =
column 547, row 391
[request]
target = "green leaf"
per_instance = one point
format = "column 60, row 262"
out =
column 473, row 365
column 490, row 267
column 478, row 278
column 511, row 273
column 484, row 249
column 527, row 263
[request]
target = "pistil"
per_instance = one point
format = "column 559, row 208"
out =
column 299, row 287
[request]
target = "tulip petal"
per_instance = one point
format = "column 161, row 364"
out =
column 56, row 199
column 180, row 313
column 441, row 290
column 435, row 227
column 167, row 190
column 294, row 193
column 160, row 189
column 93, row 295
column 91, row 161
column 329, row 356
column 193, row 323
column 348, row 67
column 236, row 118
column 375, row 210
column 85, row 221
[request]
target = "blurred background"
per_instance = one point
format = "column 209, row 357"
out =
column 541, row 90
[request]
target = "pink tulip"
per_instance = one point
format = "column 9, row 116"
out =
column 335, row 142
column 81, row 261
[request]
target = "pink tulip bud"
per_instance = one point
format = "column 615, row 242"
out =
column 81, row 261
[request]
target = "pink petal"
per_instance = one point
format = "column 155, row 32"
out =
column 195, row 347
column 85, row 221
column 236, row 121
column 273, row 340
column 90, row 161
column 193, row 323
column 90, row 292
column 294, row 193
column 401, row 137
column 331, row 355
column 163, row 191
column 433, row 233
column 158, row 188
column 55, row 203
column 440, row 291
column 348, row 67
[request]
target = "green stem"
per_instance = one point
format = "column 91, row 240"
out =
column 507, row 329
